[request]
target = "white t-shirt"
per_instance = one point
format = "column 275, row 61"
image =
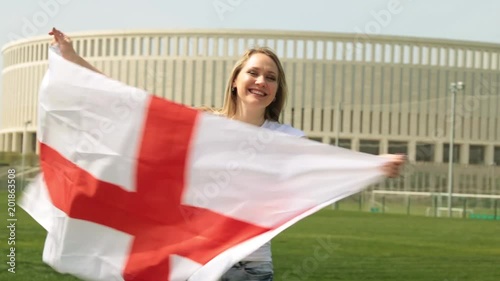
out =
column 287, row 129
column 264, row 252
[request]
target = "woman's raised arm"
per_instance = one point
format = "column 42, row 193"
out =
column 67, row 51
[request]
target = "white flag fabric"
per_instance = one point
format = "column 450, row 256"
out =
column 135, row 187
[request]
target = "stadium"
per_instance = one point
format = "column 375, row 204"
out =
column 374, row 94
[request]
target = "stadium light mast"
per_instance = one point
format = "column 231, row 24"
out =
column 454, row 88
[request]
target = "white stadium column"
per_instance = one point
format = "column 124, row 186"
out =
column 412, row 151
column 2, row 142
column 438, row 156
column 489, row 155
column 16, row 142
column 464, row 153
column 384, row 146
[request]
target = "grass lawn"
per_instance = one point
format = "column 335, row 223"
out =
column 332, row 245
column 342, row 245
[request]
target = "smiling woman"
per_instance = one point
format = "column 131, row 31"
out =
column 256, row 90
column 255, row 94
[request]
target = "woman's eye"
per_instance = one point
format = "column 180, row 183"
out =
column 253, row 73
column 271, row 78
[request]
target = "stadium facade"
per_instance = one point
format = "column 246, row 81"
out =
column 376, row 94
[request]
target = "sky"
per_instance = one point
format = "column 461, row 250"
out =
column 471, row 20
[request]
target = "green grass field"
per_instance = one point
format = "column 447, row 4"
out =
column 333, row 245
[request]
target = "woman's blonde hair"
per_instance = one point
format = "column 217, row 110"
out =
column 273, row 110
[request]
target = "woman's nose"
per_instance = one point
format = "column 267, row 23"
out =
column 261, row 80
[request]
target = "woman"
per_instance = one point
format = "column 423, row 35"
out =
column 255, row 93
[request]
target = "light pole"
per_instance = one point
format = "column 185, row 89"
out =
column 454, row 88
column 23, row 152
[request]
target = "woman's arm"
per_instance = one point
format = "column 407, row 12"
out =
column 67, row 51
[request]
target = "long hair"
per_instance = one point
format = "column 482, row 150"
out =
column 273, row 110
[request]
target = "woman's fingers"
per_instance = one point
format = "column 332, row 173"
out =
column 58, row 35
column 391, row 170
column 393, row 166
column 55, row 37
column 64, row 42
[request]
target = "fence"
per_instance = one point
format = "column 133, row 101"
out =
column 423, row 190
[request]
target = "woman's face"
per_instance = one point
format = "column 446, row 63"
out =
column 257, row 83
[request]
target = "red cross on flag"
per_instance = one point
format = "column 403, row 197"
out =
column 134, row 187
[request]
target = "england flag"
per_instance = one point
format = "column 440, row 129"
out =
column 135, row 187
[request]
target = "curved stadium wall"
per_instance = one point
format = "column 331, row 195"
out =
column 377, row 94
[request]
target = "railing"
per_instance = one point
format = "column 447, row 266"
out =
column 289, row 45
column 433, row 177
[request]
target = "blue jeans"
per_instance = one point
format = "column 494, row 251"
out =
column 249, row 271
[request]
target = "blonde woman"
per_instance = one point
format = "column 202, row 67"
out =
column 255, row 94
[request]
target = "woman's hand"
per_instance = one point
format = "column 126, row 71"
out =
column 393, row 166
column 65, row 45
column 67, row 51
